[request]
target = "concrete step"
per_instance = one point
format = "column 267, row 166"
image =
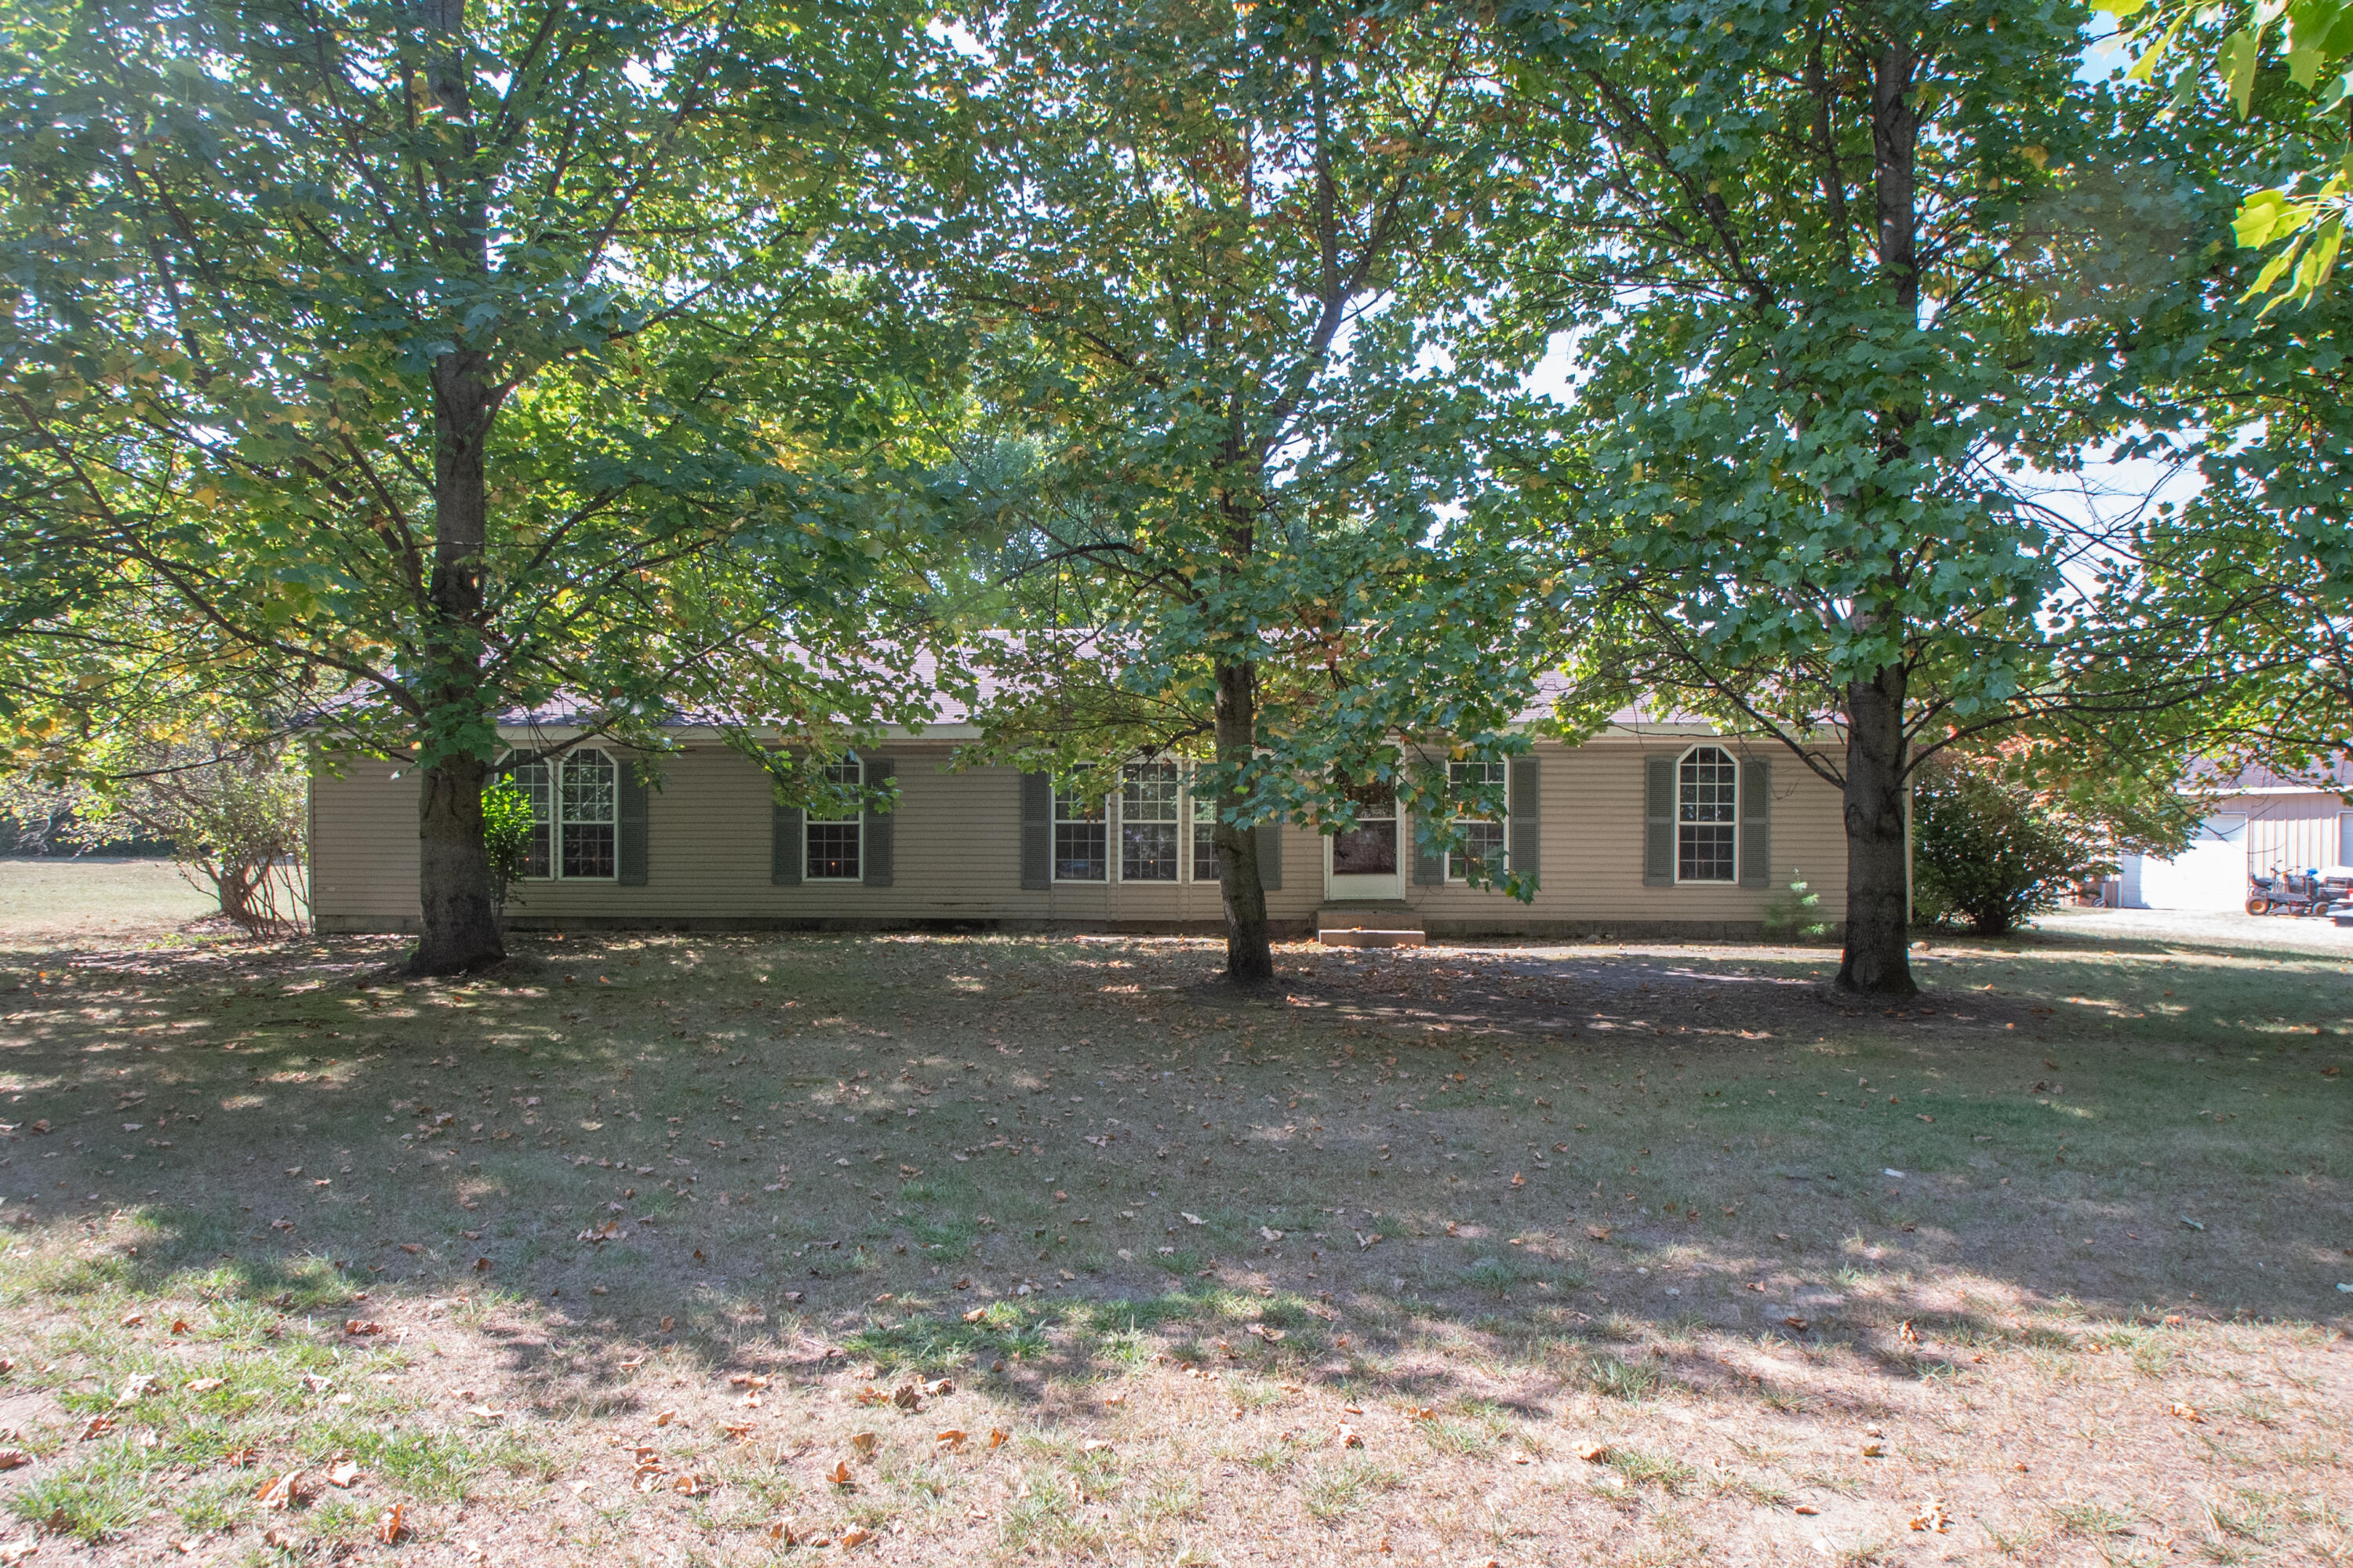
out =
column 1383, row 923
column 1360, row 937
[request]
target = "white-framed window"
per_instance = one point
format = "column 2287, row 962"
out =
column 836, row 846
column 1483, row 837
column 1707, row 816
column 1149, row 829
column 1151, row 813
column 1082, row 836
column 575, row 817
column 1207, row 866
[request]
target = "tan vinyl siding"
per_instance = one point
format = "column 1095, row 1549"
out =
column 958, row 855
column 1591, row 848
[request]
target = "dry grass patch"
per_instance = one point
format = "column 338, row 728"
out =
column 672, row 1249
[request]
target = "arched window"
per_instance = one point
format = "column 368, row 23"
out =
column 574, row 812
column 1707, row 816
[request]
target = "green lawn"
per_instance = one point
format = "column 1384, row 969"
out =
column 1528, row 1254
column 81, row 903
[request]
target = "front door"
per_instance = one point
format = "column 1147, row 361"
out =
column 1365, row 862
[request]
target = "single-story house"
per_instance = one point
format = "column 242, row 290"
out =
column 1647, row 828
column 2259, row 821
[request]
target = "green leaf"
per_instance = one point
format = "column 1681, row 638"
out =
column 2272, row 272
column 2236, row 62
column 2264, row 216
column 2119, row 9
column 2320, row 260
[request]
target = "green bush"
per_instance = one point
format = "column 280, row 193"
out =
column 1987, row 853
column 506, row 835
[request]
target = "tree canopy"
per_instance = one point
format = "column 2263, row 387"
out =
column 1846, row 281
column 1217, row 259
column 470, row 359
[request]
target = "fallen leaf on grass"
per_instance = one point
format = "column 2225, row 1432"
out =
column 1191, row 1219
column 739, row 1430
column 998, row 1436
column 205, row 1384
column 1932, row 1516
column 286, row 1491
column 864, row 1442
column 99, row 1426
column 1805, row 1508
column 389, row 1525
column 486, row 1413
column 783, row 1533
column 1797, row 1323
column 841, row 1475
column 953, row 1439
column 1349, row 1437
column 690, row 1483
column 746, row 1380
column 135, row 1389
column 239, row 1458
column 1592, row 1452
column 666, row 1417
column 2188, row 1412
column 907, row 1396
column 359, row 1327
column 856, row 1537
column 940, row 1387
column 975, row 1315
column 14, row 1459
column 343, row 1472
column 133, row 1318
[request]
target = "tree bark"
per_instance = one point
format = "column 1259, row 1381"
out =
column 461, row 926
column 1877, row 960
column 1249, row 955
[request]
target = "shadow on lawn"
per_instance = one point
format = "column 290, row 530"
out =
column 286, row 1089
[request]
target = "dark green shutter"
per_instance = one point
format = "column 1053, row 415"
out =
column 1755, row 823
column 1037, row 831
column 878, row 846
column 629, row 848
column 1269, row 856
column 1429, row 866
column 1658, row 822
column 1524, row 827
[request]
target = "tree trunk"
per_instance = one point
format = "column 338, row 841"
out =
column 1877, row 960
column 460, row 930
column 462, row 925
column 1249, row 956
